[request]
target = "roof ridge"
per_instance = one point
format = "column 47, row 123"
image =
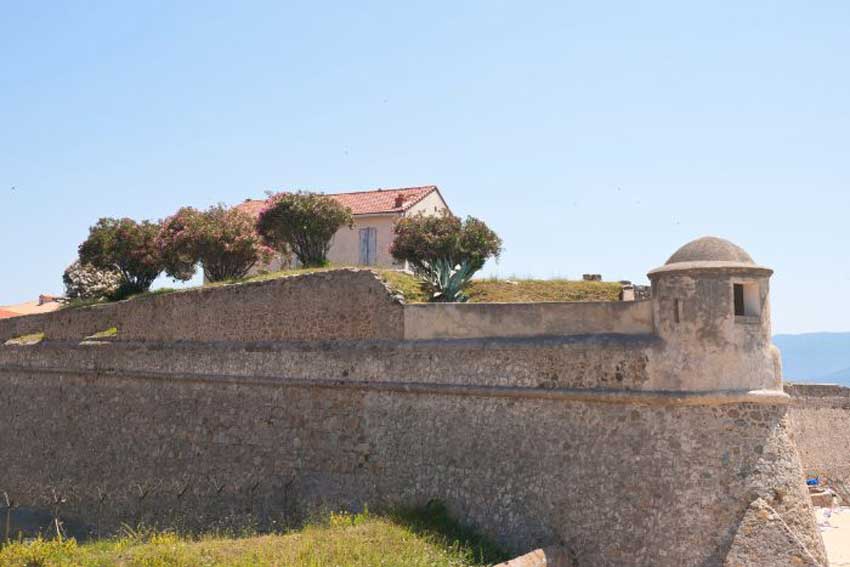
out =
column 409, row 204
column 382, row 189
column 374, row 201
column 378, row 190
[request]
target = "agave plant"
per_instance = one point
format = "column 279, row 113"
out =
column 447, row 280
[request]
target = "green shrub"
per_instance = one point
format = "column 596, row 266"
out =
column 222, row 239
column 444, row 251
column 421, row 238
column 128, row 247
column 303, row 223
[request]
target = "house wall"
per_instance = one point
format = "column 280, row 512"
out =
column 431, row 204
column 345, row 250
column 533, row 440
column 345, row 247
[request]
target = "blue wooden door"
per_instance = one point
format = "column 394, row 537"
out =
column 368, row 246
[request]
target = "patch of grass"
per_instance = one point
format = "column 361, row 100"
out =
column 490, row 290
column 26, row 340
column 400, row 282
column 266, row 276
column 509, row 290
column 152, row 292
column 517, row 291
column 107, row 334
column 433, row 521
column 282, row 274
column 79, row 303
column 423, row 538
column 405, row 284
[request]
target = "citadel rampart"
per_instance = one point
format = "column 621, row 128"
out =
column 633, row 434
column 821, row 419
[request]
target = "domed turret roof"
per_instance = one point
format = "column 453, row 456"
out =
column 711, row 253
column 710, row 249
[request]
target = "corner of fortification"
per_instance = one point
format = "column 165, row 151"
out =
column 325, row 389
column 763, row 539
column 711, row 306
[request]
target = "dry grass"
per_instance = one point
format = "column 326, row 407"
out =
column 518, row 291
column 109, row 333
column 26, row 340
column 488, row 290
column 409, row 287
column 341, row 540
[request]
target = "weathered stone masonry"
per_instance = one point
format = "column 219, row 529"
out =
column 821, row 427
column 629, row 435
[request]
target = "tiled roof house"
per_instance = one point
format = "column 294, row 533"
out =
column 375, row 212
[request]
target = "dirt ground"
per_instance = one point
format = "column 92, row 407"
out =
column 835, row 529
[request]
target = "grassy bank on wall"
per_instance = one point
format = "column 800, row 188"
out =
column 492, row 289
column 413, row 539
column 479, row 291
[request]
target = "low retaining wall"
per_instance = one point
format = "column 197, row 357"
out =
column 464, row 320
column 333, row 305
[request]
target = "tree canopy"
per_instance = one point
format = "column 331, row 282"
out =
column 221, row 239
column 131, row 248
column 422, row 240
column 304, row 223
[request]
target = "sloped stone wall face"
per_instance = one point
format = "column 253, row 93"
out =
column 263, row 403
column 497, row 429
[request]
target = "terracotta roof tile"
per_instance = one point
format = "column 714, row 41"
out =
column 8, row 314
column 377, row 201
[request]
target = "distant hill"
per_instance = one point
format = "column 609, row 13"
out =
column 816, row 357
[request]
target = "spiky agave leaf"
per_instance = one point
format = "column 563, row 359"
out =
column 448, row 280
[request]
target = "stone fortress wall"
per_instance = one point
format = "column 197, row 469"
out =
column 821, row 426
column 641, row 433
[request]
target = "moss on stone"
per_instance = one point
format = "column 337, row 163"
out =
column 26, row 340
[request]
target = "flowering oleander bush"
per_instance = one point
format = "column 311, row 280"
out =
column 444, row 251
column 128, row 247
column 222, row 240
column 84, row 281
column 304, row 223
column 422, row 240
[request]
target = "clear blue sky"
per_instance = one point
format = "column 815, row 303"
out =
column 593, row 136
